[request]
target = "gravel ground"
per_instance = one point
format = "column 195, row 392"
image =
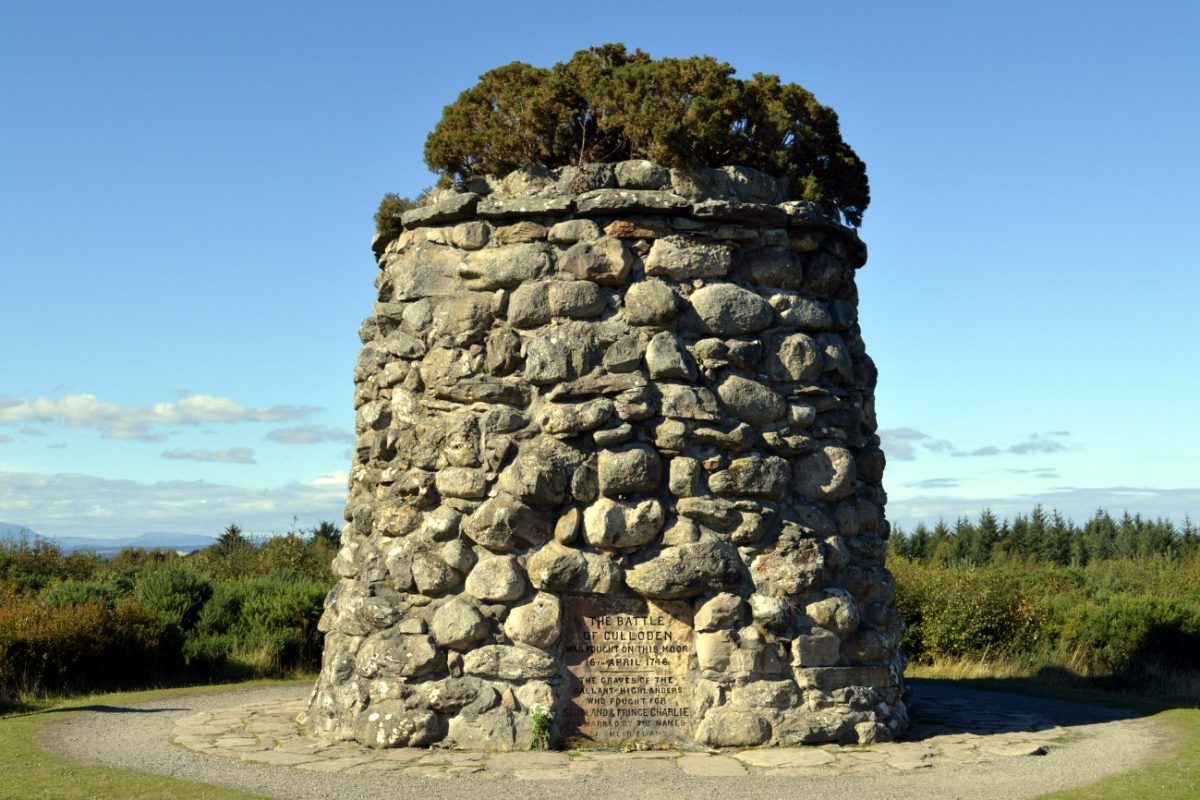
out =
column 1098, row 742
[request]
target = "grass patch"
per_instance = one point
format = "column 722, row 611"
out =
column 1174, row 775
column 29, row 771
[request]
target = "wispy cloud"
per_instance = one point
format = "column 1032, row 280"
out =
column 1036, row 443
column 905, row 444
column 90, row 505
column 1054, row 442
column 5, row 439
column 143, row 423
column 935, row 483
column 902, row 444
column 232, row 455
column 1045, row 473
column 310, row 434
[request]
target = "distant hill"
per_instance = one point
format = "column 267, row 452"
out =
column 9, row 530
column 186, row 542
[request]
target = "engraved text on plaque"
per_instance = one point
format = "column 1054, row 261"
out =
column 629, row 663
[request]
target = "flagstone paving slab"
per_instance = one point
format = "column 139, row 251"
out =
column 955, row 747
column 268, row 733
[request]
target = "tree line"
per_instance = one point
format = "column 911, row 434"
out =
column 1045, row 537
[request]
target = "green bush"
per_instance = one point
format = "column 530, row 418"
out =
column 29, row 565
column 1116, row 633
column 176, row 592
column 76, row 592
column 607, row 104
column 964, row 612
column 1112, row 618
column 387, row 216
column 266, row 624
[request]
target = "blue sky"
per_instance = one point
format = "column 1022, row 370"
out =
column 186, row 214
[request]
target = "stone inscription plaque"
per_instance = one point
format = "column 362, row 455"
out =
column 629, row 662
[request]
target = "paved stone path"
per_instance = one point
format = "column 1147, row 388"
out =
column 951, row 730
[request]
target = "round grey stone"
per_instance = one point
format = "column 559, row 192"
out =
column 724, row 309
column 537, row 622
column 609, row 523
column 458, row 624
column 641, row 174
column 750, row 401
column 496, row 579
column 651, row 302
column 576, row 299
column 573, row 230
column 389, row 724
column 828, row 474
column 605, row 261
column 631, row 470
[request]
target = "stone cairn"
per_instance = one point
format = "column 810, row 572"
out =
column 616, row 475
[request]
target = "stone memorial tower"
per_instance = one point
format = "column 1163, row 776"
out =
column 617, row 471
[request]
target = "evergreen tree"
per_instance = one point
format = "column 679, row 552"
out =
column 607, row 104
column 233, row 555
column 963, row 539
column 1099, row 537
column 328, row 532
column 985, row 539
column 1189, row 537
column 1021, row 542
column 1060, row 537
column 940, row 539
column 920, row 547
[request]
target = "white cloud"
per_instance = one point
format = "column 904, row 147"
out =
column 232, row 455
column 88, row 505
column 1041, row 444
column 116, row 421
column 5, row 439
column 905, row 444
column 310, row 434
column 335, row 478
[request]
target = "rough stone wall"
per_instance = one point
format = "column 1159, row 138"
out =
column 616, row 381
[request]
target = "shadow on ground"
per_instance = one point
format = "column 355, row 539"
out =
column 939, row 707
column 103, row 709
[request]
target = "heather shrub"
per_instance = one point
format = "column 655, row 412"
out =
column 75, row 648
